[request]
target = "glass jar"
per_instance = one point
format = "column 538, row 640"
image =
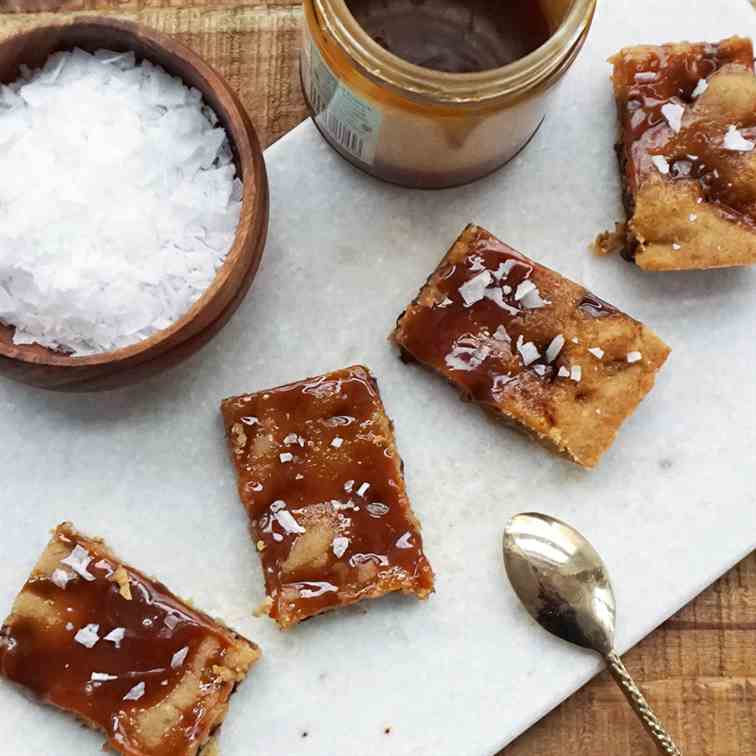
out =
column 420, row 127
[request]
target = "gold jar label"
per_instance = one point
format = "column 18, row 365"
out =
column 349, row 120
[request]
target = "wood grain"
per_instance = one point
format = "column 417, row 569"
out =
column 254, row 46
column 699, row 669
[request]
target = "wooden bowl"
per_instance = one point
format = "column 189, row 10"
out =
column 39, row 366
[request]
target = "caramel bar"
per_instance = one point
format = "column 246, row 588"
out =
column 97, row 638
column 322, row 482
column 687, row 115
column 531, row 346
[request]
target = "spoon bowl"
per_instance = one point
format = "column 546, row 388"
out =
column 561, row 580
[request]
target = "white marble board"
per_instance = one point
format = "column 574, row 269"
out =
column 672, row 506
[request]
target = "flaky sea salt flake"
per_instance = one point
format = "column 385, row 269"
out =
column 701, row 87
column 496, row 295
column 673, row 112
column 288, row 523
column 78, row 560
column 115, row 636
column 135, row 693
column 554, row 348
column 736, row 142
column 178, row 659
column 340, row 545
column 88, row 635
column 500, row 334
column 405, row 541
column 378, row 509
column 363, row 489
column 528, row 351
column 661, row 164
column 523, row 289
column 60, row 578
column 472, row 291
column 504, row 269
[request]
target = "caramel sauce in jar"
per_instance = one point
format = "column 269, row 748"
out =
column 435, row 93
column 455, row 36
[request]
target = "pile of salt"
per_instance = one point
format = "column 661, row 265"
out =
column 118, row 201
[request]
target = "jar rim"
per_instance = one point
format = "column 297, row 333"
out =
column 508, row 80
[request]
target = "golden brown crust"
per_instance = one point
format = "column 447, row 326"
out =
column 675, row 231
column 578, row 419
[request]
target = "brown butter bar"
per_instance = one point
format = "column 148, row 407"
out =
column 322, row 482
column 531, row 346
column 687, row 125
column 98, row 639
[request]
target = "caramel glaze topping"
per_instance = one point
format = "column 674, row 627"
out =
column 484, row 335
column 648, row 79
column 43, row 654
column 322, row 483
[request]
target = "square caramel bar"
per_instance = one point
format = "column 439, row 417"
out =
column 97, row 638
column 322, row 482
column 531, row 346
column 687, row 118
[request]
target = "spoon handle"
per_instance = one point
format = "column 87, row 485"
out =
column 640, row 706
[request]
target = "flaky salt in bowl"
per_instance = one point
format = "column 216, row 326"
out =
column 135, row 210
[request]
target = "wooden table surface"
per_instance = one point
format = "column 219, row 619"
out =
column 699, row 669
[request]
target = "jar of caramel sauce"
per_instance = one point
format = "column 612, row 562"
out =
column 435, row 93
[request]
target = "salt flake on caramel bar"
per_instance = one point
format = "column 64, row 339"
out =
column 115, row 636
column 78, row 560
column 88, row 636
column 701, row 87
column 537, row 367
column 473, row 290
column 673, row 113
column 60, row 578
column 327, row 536
column 735, row 141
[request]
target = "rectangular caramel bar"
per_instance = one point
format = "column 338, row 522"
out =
column 687, row 115
column 322, row 482
column 530, row 345
column 98, row 639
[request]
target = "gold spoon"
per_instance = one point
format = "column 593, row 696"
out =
column 565, row 587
